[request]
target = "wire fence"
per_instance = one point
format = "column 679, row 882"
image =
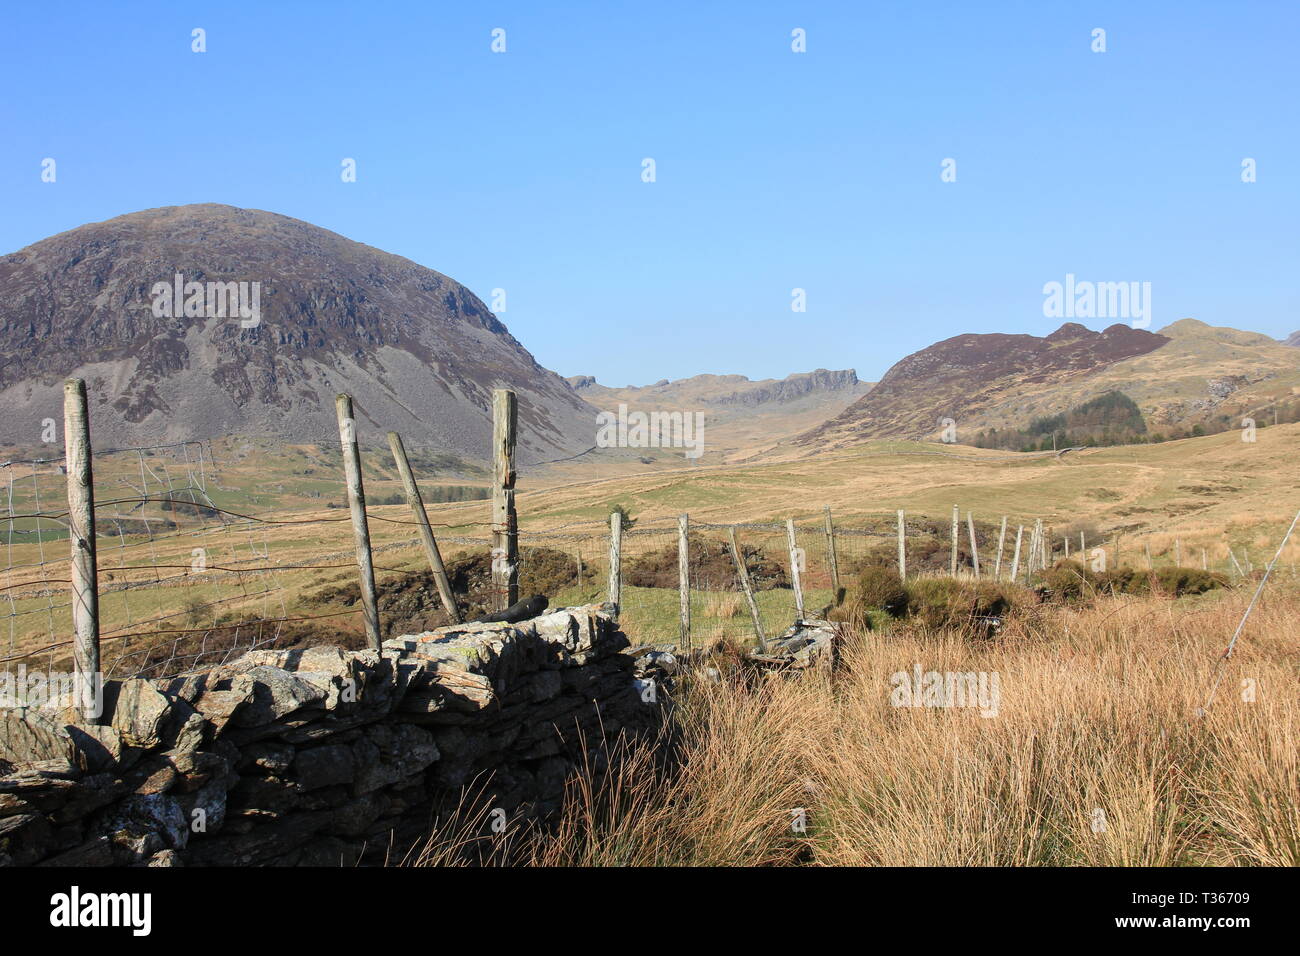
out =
column 197, row 565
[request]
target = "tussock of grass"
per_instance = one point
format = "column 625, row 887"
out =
column 1095, row 757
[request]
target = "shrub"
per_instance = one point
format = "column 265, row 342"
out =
column 879, row 586
column 940, row 603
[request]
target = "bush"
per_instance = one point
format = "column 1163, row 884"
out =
column 1180, row 581
column 879, row 586
column 1071, row 581
column 947, row 603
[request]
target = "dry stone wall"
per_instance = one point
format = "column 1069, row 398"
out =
column 319, row 755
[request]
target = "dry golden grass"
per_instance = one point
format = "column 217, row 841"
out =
column 1096, row 755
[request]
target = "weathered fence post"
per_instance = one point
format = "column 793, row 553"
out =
column 577, row 559
column 831, row 558
column 1015, row 561
column 796, row 580
column 1178, row 552
column 1002, row 540
column 505, row 523
column 956, row 519
column 616, row 558
column 742, row 572
column 902, row 545
column 81, row 536
column 1066, row 539
column 1082, row 547
column 974, row 551
column 1205, row 561
column 430, row 543
column 360, row 526
column 684, row 577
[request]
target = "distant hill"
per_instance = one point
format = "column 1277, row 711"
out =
column 419, row 352
column 742, row 416
column 1188, row 373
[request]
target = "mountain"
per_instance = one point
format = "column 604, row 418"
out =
column 1188, row 372
column 1293, row 340
column 418, row 351
column 741, row 415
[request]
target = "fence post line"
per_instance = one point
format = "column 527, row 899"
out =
column 615, row 558
column 416, row 502
column 684, row 577
column 974, row 551
column 360, row 526
column 796, row 581
column 902, row 545
column 1002, row 540
column 742, row 572
column 834, row 562
column 81, row 537
column 1015, row 561
column 505, row 522
column 956, row 519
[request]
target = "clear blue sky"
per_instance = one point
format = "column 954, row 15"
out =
column 775, row 170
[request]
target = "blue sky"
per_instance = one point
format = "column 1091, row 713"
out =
column 774, row 170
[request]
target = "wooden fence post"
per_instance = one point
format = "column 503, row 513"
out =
column 684, row 577
column 1015, row 561
column 616, row 558
column 902, row 546
column 505, row 523
column 360, row 526
column 974, row 551
column 430, row 543
column 956, row 519
column 1178, row 552
column 796, row 581
column 1002, row 540
column 81, row 536
column 742, row 572
column 1066, row 539
column 830, row 556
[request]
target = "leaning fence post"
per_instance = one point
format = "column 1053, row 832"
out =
column 795, row 560
column 902, row 546
column 684, row 577
column 615, row 558
column 505, row 523
column 956, row 519
column 427, row 539
column 1015, row 560
column 830, row 552
column 81, row 535
column 974, row 551
column 360, row 526
column 742, row 572
column 1002, row 540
